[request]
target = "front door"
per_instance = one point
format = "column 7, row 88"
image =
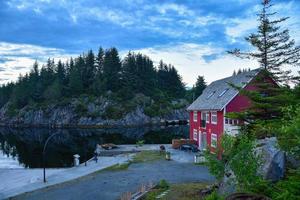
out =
column 202, row 141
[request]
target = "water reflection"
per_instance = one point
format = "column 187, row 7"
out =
column 26, row 145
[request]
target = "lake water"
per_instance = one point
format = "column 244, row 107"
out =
column 23, row 147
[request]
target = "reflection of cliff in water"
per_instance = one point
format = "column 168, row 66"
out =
column 27, row 144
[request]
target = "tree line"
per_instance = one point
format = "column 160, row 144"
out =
column 94, row 74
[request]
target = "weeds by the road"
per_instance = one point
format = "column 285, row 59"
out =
column 148, row 156
column 187, row 191
column 143, row 156
column 118, row 167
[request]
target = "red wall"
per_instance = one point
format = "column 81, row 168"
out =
column 239, row 102
column 209, row 129
column 194, row 125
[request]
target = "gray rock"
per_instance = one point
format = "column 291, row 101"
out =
column 272, row 168
column 66, row 115
column 228, row 184
column 273, row 159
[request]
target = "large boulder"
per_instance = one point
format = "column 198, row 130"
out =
column 272, row 165
column 273, row 159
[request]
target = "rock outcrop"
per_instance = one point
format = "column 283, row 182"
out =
column 83, row 113
column 273, row 159
column 272, row 166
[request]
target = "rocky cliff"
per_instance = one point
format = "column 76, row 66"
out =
column 85, row 113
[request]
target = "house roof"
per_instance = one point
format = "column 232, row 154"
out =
column 219, row 93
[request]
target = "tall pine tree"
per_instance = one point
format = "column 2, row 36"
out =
column 112, row 70
column 274, row 48
column 274, row 51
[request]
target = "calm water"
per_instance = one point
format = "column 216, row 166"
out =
column 23, row 147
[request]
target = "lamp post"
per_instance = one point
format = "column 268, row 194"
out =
column 44, row 153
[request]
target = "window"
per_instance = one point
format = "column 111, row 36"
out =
column 211, row 94
column 195, row 116
column 222, row 93
column 214, row 118
column 207, row 117
column 214, row 140
column 226, row 121
column 203, row 120
column 230, row 121
column 195, row 135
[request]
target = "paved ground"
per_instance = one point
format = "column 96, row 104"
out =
column 177, row 155
column 112, row 184
column 18, row 181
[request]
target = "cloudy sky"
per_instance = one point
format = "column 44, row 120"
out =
column 193, row 35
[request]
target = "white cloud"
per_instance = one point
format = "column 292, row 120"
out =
column 188, row 59
column 240, row 27
column 19, row 58
column 179, row 9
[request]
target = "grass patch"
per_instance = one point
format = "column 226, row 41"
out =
column 186, row 191
column 117, row 167
column 147, row 156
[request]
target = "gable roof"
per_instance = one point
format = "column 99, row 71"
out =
column 219, row 93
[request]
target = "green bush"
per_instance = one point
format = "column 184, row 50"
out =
column 81, row 108
column 93, row 115
column 12, row 110
column 163, row 184
column 152, row 111
column 214, row 196
column 140, row 143
column 112, row 112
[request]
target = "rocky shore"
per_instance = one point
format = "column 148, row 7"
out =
column 83, row 115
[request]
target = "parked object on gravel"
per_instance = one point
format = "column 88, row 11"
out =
column 168, row 155
column 162, row 149
column 176, row 143
column 189, row 147
column 199, row 158
column 109, row 146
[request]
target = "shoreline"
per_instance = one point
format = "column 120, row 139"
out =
column 76, row 126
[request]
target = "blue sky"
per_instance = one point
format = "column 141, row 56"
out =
column 193, row 35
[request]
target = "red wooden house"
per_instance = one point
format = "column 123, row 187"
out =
column 207, row 112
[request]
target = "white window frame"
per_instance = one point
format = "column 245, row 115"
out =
column 215, row 114
column 213, row 140
column 207, row 117
column 195, row 116
column 195, row 134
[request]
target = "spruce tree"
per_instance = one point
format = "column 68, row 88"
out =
column 61, row 72
column 112, row 70
column 274, row 51
column 199, row 86
column 274, row 48
column 100, row 60
column 89, row 70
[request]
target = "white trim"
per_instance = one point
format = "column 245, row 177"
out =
column 224, row 119
column 201, row 136
column 213, row 136
column 211, row 117
column 195, row 112
column 195, row 133
column 207, row 117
